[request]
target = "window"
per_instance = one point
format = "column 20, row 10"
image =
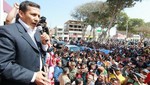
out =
column 70, row 25
column 75, row 29
column 75, row 26
column 70, row 29
column 80, row 29
column 79, row 26
column 59, row 29
column 59, row 33
column 66, row 33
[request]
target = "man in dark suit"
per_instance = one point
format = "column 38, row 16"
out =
column 21, row 48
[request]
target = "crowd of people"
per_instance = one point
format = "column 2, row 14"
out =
column 24, row 60
column 124, row 65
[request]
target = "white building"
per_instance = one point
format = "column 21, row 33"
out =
column 74, row 29
column 60, row 33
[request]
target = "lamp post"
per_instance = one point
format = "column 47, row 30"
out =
column 127, row 30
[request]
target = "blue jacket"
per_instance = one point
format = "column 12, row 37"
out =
column 57, row 71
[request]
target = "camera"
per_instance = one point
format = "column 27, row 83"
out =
column 110, row 69
column 57, row 44
column 43, row 24
column 42, row 19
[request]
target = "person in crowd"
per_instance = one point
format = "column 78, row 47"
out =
column 51, row 74
column 114, row 81
column 68, row 83
column 73, row 71
column 63, row 78
column 99, row 61
column 137, row 80
column 22, row 48
column 92, row 67
column 82, row 73
column 121, row 66
column 102, row 71
column 57, row 71
column 64, row 59
column 79, row 81
column 129, row 83
column 100, row 80
column 90, row 79
column 118, row 75
column 146, row 75
column 12, row 14
column 135, row 77
column 57, row 56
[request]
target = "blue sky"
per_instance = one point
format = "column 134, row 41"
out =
column 140, row 10
column 58, row 12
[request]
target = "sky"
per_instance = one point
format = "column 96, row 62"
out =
column 58, row 12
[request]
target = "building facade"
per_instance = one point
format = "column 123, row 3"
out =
column 60, row 33
column 74, row 29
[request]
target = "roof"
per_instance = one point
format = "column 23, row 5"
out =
column 73, row 22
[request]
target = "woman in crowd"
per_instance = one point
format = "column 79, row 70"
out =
column 64, row 78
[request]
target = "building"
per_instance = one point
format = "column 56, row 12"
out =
column 60, row 34
column 119, row 36
column 74, row 29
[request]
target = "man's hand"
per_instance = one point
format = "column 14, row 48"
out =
column 16, row 5
column 41, row 78
column 45, row 38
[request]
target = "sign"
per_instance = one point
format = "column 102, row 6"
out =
column 99, row 30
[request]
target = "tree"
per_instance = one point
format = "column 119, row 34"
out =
column 87, row 12
column 144, row 29
column 135, row 23
column 116, row 6
column 114, row 9
column 122, row 21
column 102, row 14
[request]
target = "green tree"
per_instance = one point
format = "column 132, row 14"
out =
column 134, row 23
column 87, row 13
column 115, row 7
column 102, row 14
column 122, row 21
column 144, row 29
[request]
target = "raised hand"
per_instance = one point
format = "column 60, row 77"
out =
column 16, row 5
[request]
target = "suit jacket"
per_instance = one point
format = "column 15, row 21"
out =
column 19, row 56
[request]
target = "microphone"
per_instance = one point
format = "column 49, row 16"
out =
column 41, row 30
